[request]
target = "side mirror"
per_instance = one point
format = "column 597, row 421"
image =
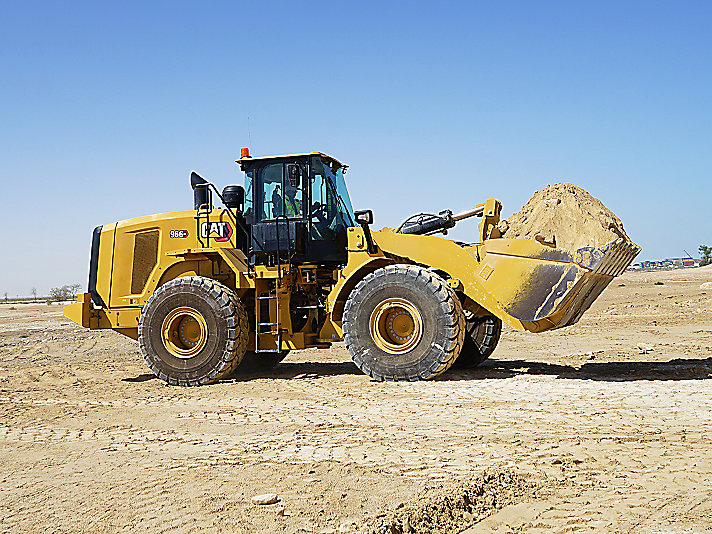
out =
column 294, row 173
column 364, row 217
column 234, row 197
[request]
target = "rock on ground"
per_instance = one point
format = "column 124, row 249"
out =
column 267, row 498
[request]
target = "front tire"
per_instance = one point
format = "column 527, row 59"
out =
column 480, row 341
column 193, row 331
column 403, row 322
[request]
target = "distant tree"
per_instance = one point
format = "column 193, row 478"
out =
column 706, row 253
column 5, row 296
column 58, row 294
column 34, row 293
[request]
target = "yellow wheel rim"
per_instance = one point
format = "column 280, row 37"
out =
column 396, row 326
column 184, row 332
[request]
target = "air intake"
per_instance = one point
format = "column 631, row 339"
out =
column 144, row 259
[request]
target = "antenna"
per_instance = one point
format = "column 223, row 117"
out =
column 249, row 135
column 688, row 254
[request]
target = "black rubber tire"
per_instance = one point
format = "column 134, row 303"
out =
column 254, row 362
column 480, row 341
column 227, row 328
column 443, row 329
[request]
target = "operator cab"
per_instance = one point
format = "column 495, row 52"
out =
column 297, row 207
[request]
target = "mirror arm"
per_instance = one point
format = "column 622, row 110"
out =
column 370, row 247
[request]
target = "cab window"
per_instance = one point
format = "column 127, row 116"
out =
column 278, row 195
column 329, row 215
column 249, row 180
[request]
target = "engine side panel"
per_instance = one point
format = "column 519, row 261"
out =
column 144, row 248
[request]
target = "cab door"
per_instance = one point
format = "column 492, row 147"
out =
column 327, row 233
column 280, row 212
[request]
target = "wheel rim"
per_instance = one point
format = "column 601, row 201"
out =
column 184, row 332
column 396, row 326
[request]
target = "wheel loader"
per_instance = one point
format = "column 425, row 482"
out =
column 284, row 263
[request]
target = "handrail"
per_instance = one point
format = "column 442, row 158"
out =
column 229, row 210
column 289, row 247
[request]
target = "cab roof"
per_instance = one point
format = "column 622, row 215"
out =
column 250, row 159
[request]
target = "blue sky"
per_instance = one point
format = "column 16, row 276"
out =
column 105, row 110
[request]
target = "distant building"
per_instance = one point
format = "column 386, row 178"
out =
column 667, row 263
column 675, row 261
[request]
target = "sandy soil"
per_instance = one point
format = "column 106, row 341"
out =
column 604, row 426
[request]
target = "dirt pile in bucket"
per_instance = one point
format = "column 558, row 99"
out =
column 566, row 216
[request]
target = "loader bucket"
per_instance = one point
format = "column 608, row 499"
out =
column 542, row 288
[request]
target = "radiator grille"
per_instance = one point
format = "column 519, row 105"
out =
column 144, row 259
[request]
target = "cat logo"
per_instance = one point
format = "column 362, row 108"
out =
column 219, row 231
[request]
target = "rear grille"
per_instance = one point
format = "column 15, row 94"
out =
column 144, row 259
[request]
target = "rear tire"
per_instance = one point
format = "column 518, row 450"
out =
column 403, row 322
column 193, row 331
column 480, row 341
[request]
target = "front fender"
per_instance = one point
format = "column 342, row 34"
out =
column 528, row 285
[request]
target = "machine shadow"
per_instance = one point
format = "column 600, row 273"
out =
column 306, row 370
column 140, row 378
column 677, row 369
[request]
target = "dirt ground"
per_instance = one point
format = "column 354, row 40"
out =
column 604, row 426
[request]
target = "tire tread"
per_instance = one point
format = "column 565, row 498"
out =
column 231, row 309
column 452, row 341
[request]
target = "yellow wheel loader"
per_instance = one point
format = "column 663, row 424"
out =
column 285, row 263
